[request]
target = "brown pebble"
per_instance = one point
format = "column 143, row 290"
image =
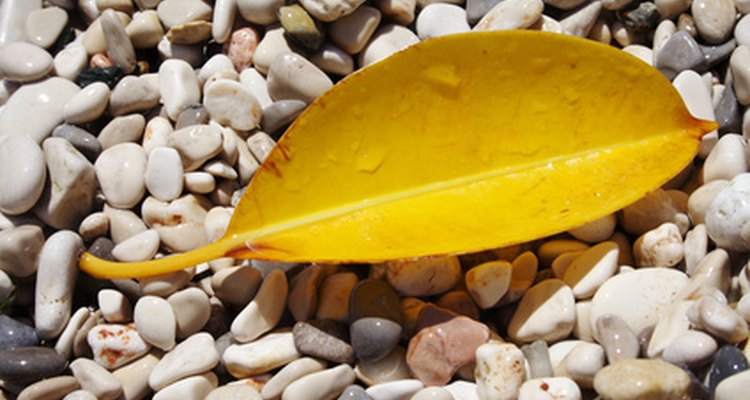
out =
column 460, row 302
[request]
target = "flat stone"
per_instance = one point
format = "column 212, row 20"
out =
column 292, row 77
column 115, row 345
column 290, row 373
column 546, row 312
column 194, row 355
column 238, row 391
column 264, row 311
column 591, row 269
column 15, row 334
column 69, row 196
column 718, row 319
column 399, row 389
column 70, row 61
column 88, row 104
column 191, row 309
column 22, row 173
column 352, row 32
column 510, row 14
column 24, row 62
column 123, row 224
column 303, row 293
column 692, row 349
column 176, row 12
column 230, row 103
column 437, row 352
column 56, row 387
column 680, row 52
column 55, row 281
column 120, row 171
column 156, row 322
column 630, row 379
column 432, row 393
column 196, row 144
column 236, row 285
column 265, row 354
column 96, row 379
column 133, row 94
column 374, row 338
column 325, row 384
column 25, row 365
column 190, row 33
column 324, row 340
column 259, row 12
column 139, row 247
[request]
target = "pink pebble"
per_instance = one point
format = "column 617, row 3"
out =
column 241, row 47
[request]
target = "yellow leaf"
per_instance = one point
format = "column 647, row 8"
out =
column 455, row 145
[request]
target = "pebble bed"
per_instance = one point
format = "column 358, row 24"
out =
column 130, row 127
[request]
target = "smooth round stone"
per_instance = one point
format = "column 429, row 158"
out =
column 619, row 342
column 487, row 283
column 424, row 277
column 734, row 387
column 16, row 334
column 55, row 281
column 93, row 226
column 119, row 47
column 259, row 12
column 728, row 361
column 115, row 345
column 192, row 388
column 714, row 19
column 196, row 144
column 326, row 384
column 389, row 368
column 281, row 113
column 303, row 293
column 580, row 22
column 400, row 389
column 123, row 224
column 56, row 387
column 499, row 370
column 726, row 160
column 511, row 14
column 330, row 10
column 178, row 86
column 546, row 312
column 24, row 365
column 678, row 53
column 114, row 306
column 133, row 94
column 96, row 379
column 231, row 104
column 301, row 27
column 191, row 309
column 462, row 389
column 334, row 295
column 659, row 247
column 156, row 322
column 558, row 388
column 700, row 201
column 264, row 311
column 739, row 64
column 216, row 64
column 374, row 298
column 323, row 340
column 692, row 349
column 632, row 379
column 718, row 319
column 292, row 77
column 145, row 30
column 241, row 48
column 24, row 62
column 591, row 269
column 725, row 216
column 193, row 55
column 333, row 60
column 388, row 39
column 400, row 12
column 274, row 43
column 123, row 129
column 88, row 104
column 352, row 32
column 374, row 338
column 236, row 391
column 596, row 231
column 120, row 170
column 432, row 393
column 22, row 173
column 223, row 19
column 354, row 392
column 80, row 394
column 134, row 376
column 164, row 174
column 638, row 297
column 290, row 373
column 236, row 285
column 139, row 247
column 265, row 354
column 582, row 363
column 711, row 273
column 44, row 26
column 437, row 352
column 195, row 355
column 176, row 12
column 552, row 249
column 193, row 115
column 180, row 223
column 86, row 143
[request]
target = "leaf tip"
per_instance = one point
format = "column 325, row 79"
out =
column 700, row 127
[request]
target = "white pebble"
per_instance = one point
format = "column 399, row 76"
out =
column 139, row 247
column 24, row 62
column 595, row 231
column 96, row 379
column 265, row 354
column 178, row 86
column 191, row 388
column 440, row 19
column 19, row 250
column 488, row 282
column 264, row 311
column 546, row 312
column 700, row 200
column 330, row 10
column 353, row 31
column 115, row 345
column 728, row 213
column 155, row 322
column 691, row 349
column 256, row 84
column 22, row 173
column 499, row 371
column 511, row 14
column 261, row 12
column 739, row 64
column 388, row 39
column 290, row 373
column 580, row 22
column 727, row 159
column 659, row 247
column 120, row 171
column 88, row 104
column 718, row 319
column 292, row 77
column 196, row 144
column 273, row 43
column 557, row 388
column 114, row 306
column 324, row 384
column 192, row 310
column 714, row 19
column 195, row 355
column 223, row 19
column 591, row 269
column 230, row 103
column 733, row 387
column 164, row 174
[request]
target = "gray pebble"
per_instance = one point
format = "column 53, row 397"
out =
column 83, row 141
column 192, row 115
column 102, row 248
column 280, row 114
column 680, row 52
column 354, row 392
column 16, row 334
column 475, row 9
column 642, row 19
column 728, row 111
column 715, row 54
column 537, row 355
column 25, row 365
column 323, row 339
column 373, row 338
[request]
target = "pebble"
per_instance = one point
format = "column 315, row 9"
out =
column 729, row 233
column 739, row 64
column 123, row 129
column 114, row 345
column 195, row 355
column 70, row 61
column 66, row 340
column 178, row 86
column 440, row 19
column 326, row 384
column 230, row 103
column 678, row 53
column 156, row 322
column 114, row 306
column 164, row 174
column 659, row 247
column 728, row 361
column 582, row 21
column 15, row 13
column 191, row 388
column 373, row 338
column 119, row 48
column 280, row 114
column 333, row 60
column 80, row 394
column 389, row 368
column 267, row 353
column 180, row 223
column 19, row 250
column 24, row 62
column 120, row 171
column 386, row 40
column 733, row 387
column 642, row 19
column 374, row 298
column 290, row 373
column 25, row 365
column 88, row 105
column 264, row 311
column 145, row 30
column 352, row 32
column 236, row 285
column 96, row 379
column 292, row 77
column 510, row 14
column 56, row 276
column 617, row 339
column 591, row 269
column 727, row 159
column 630, row 379
column 499, row 370
column 394, row 390
column 435, row 353
column 558, row 388
column 700, row 200
column 596, row 231
column 190, row 33
column 301, row 27
column 462, row 390
column 691, row 349
column 176, row 12
column 133, row 94
column 196, row 144
column 487, row 283
column 134, row 376
column 238, row 391
column 582, row 363
column 15, row 334
column 242, row 46
column 410, row 278
column 274, row 43
column 711, row 273
column 223, row 18
column 546, row 312
column 191, row 309
column 56, row 387
column 354, row 392
column 714, row 19
column 123, row 224
column 259, row 12
column 22, row 172
column 193, row 115
column 718, row 319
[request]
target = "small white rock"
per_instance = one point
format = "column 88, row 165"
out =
column 192, row 310
column 728, row 213
column 546, row 312
column 330, row 10
column 139, row 247
column 22, row 173
column 290, row 373
column 511, row 14
column 292, row 77
column 353, row 31
column 718, row 319
column 195, row 355
column 591, row 269
column 192, row 388
column 114, row 306
column 557, row 388
column 274, row 42
column 164, row 174
column 727, row 159
column 230, row 103
column 19, row 250
column 96, row 379
column 659, row 247
column 692, row 349
column 24, row 62
column 155, row 321
column 196, row 144
column 261, row 12
column 116, row 345
column 264, row 311
column 88, row 104
column 499, row 370
column 178, row 86
column 488, row 282
column 120, row 171
column 440, row 19
column 265, row 354
column 714, row 19
column 388, row 39
column 324, row 384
